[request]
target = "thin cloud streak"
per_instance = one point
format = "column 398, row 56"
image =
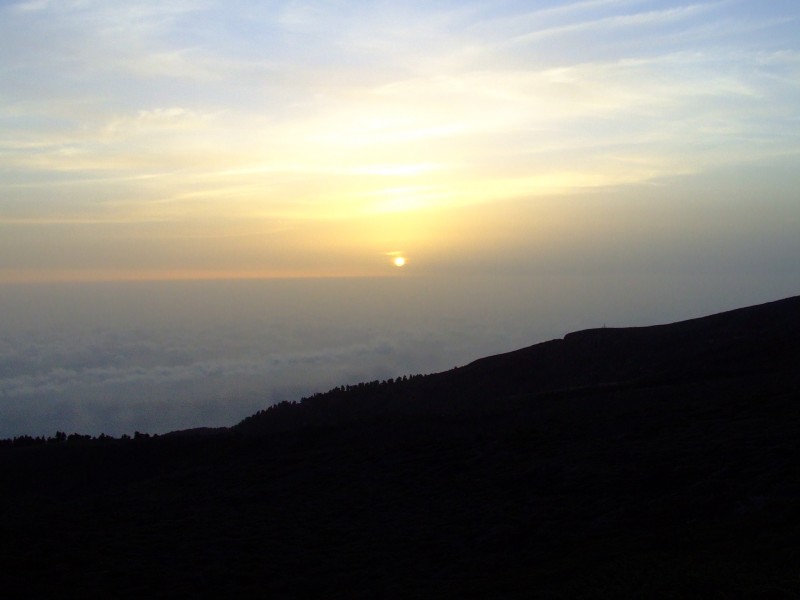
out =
column 642, row 19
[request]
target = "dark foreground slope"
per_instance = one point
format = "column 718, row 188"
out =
column 642, row 462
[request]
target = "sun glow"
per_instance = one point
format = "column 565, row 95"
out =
column 399, row 261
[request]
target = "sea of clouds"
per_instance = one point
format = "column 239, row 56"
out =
column 117, row 358
column 154, row 357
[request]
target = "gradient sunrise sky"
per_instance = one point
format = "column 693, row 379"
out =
column 197, row 139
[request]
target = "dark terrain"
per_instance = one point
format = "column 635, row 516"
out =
column 642, row 462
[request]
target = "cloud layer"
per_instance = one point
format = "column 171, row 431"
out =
column 155, row 357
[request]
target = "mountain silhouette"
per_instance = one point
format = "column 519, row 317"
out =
column 755, row 341
column 658, row 461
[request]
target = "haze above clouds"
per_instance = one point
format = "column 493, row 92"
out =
column 542, row 168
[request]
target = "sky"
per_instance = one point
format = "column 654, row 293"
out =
column 540, row 166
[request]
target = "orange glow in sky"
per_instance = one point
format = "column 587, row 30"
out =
column 202, row 138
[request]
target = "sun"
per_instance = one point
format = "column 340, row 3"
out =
column 399, row 261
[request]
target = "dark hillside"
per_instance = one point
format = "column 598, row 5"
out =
column 754, row 340
column 643, row 462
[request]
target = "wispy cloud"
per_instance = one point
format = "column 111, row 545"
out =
column 316, row 111
column 610, row 23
